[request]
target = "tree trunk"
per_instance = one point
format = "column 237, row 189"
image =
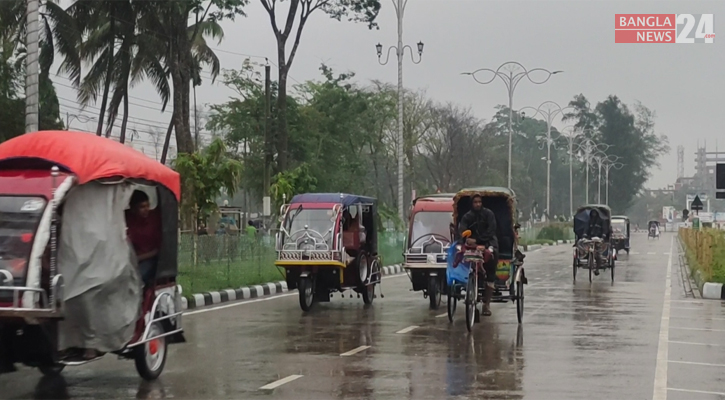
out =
column 282, row 133
column 109, row 75
column 179, row 65
column 122, row 139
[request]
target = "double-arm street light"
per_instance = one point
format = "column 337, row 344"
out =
column 510, row 73
column 399, row 6
column 549, row 110
column 571, row 134
column 588, row 149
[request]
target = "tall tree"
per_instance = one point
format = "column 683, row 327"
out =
column 299, row 12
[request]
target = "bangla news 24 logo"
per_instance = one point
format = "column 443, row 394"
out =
column 664, row 28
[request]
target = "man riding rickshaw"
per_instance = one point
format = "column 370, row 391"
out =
column 427, row 245
column 79, row 275
column 653, row 230
column 485, row 262
column 593, row 232
column 620, row 233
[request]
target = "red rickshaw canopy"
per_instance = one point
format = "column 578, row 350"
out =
column 89, row 157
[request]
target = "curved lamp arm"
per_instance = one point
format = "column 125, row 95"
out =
column 379, row 48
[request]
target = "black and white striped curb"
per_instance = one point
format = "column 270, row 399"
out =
column 714, row 291
column 252, row 292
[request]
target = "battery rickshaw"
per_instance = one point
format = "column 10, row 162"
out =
column 653, row 229
column 465, row 277
column 426, row 249
column 327, row 242
column 69, row 277
column 593, row 253
column 620, row 233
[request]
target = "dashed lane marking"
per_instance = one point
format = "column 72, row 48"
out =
column 408, row 329
column 698, row 329
column 651, row 253
column 697, row 363
column 696, row 344
column 697, row 391
column 281, row 382
column 354, row 351
column 442, row 315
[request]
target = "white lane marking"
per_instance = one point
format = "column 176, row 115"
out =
column 688, row 308
column 354, row 351
column 700, row 317
column 260, row 300
column 634, row 253
column 696, row 344
column 688, row 301
column 697, row 391
column 697, row 363
column 698, row 329
column 442, row 315
column 660, row 386
column 281, row 382
column 408, row 329
column 651, row 253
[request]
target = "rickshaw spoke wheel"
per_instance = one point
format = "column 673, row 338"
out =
column 590, row 262
column 471, row 300
column 520, row 301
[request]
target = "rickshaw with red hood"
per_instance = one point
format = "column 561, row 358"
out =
column 69, row 278
column 426, row 248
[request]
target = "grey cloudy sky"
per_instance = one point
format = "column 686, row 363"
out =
column 684, row 84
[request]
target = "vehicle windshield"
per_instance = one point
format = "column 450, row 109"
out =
column 318, row 221
column 19, row 218
column 431, row 222
column 619, row 226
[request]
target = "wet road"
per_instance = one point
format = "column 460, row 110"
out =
column 594, row 341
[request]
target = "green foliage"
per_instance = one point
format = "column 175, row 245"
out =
column 289, row 183
column 554, row 232
column 204, row 174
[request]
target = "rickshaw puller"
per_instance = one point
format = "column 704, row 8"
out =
column 482, row 223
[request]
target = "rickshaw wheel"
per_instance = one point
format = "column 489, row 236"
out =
column 452, row 302
column 51, row 369
column 612, row 268
column 368, row 291
column 471, row 300
column 575, row 266
column 520, row 301
column 590, row 262
column 150, row 357
column 434, row 292
column 306, row 293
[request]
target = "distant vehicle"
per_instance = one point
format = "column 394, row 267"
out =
column 620, row 233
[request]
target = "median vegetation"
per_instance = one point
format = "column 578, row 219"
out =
column 705, row 252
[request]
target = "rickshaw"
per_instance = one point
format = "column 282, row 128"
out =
column 620, row 233
column 653, row 229
column 327, row 242
column 510, row 274
column 69, row 277
column 429, row 236
column 593, row 253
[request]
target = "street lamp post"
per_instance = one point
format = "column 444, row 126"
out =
column 511, row 73
column 609, row 164
column 588, row 150
column 399, row 6
column 549, row 110
column 571, row 134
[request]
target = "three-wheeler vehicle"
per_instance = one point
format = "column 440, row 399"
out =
column 510, row 274
column 620, row 233
column 429, row 236
column 69, row 278
column 653, row 229
column 593, row 252
column 328, row 242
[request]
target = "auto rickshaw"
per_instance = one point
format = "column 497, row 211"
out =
column 328, row 242
column 620, row 233
column 510, row 274
column 69, row 277
column 653, row 229
column 593, row 253
column 429, row 235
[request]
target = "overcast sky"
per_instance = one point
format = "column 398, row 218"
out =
column 684, row 84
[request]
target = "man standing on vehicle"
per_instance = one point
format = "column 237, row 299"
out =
column 482, row 223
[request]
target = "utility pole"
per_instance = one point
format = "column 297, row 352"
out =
column 267, row 206
column 196, row 123
column 31, row 66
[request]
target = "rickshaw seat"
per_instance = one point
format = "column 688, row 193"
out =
column 351, row 240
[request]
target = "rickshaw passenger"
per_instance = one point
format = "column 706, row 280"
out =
column 596, row 225
column 482, row 223
column 144, row 232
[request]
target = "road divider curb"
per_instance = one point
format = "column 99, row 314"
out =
column 252, row 292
